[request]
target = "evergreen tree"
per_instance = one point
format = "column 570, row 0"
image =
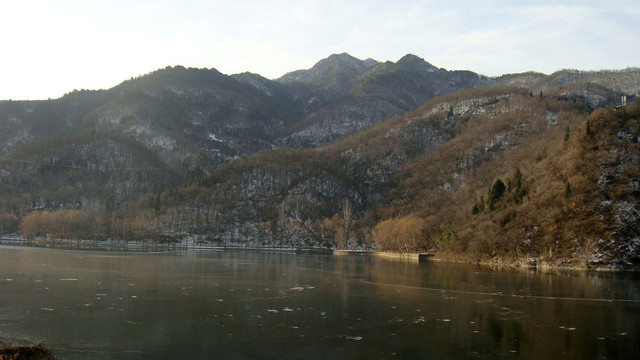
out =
column 478, row 207
column 495, row 193
column 518, row 191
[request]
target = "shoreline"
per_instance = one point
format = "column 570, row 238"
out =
column 521, row 264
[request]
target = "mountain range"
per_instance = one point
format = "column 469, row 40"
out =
column 331, row 156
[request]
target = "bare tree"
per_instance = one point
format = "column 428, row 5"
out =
column 347, row 221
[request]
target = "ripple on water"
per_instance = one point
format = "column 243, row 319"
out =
column 567, row 328
column 419, row 320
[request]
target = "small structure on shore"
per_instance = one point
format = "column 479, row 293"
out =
column 418, row 257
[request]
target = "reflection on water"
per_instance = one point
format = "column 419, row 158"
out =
column 245, row 305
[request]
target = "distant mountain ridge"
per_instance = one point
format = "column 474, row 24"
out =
column 196, row 118
column 201, row 114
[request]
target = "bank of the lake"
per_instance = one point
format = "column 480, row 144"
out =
column 522, row 262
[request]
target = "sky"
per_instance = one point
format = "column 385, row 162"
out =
column 52, row 47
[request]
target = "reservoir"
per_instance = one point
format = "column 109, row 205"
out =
column 279, row 305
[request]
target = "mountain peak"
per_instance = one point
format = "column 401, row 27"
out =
column 342, row 59
column 415, row 62
column 325, row 71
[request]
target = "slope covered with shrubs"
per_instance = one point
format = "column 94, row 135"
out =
column 565, row 197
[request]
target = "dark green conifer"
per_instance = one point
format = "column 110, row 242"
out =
column 518, row 191
column 495, row 193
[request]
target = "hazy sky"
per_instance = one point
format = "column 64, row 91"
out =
column 51, row 47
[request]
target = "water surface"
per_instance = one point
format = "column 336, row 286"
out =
column 269, row 305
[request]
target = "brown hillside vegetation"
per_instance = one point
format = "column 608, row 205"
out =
column 562, row 197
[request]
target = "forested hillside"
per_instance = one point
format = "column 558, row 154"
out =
column 568, row 195
column 523, row 168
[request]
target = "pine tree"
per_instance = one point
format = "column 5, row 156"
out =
column 478, row 207
column 518, row 192
column 495, row 193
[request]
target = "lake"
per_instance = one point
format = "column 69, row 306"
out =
column 277, row 305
